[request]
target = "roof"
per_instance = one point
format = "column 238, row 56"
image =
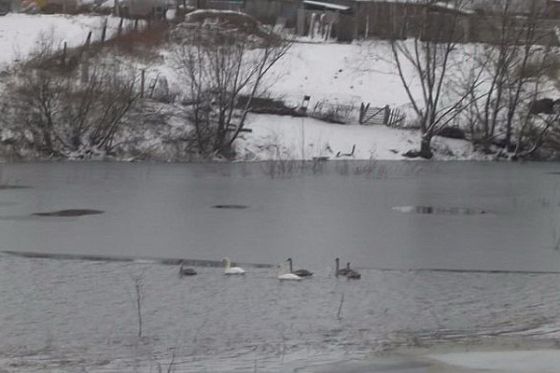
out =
column 451, row 7
column 326, row 5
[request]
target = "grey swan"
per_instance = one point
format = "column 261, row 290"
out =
column 186, row 271
column 299, row 272
column 341, row 271
column 352, row 274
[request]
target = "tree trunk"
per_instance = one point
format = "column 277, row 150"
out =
column 425, row 147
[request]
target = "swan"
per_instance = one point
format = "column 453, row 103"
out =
column 284, row 276
column 185, row 271
column 341, row 271
column 299, row 272
column 351, row 273
column 229, row 270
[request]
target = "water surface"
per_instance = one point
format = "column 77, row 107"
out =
column 427, row 278
column 335, row 209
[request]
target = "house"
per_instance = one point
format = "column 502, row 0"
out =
column 141, row 8
column 473, row 21
column 544, row 8
column 5, row 7
column 274, row 11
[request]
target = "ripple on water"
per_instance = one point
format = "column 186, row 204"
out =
column 81, row 311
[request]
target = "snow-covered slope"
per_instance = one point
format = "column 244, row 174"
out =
column 331, row 73
column 19, row 33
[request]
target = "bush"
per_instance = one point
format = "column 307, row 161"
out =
column 452, row 133
column 59, row 112
column 332, row 113
column 267, row 105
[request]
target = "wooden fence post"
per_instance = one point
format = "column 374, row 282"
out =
column 85, row 61
column 386, row 115
column 142, row 80
column 104, row 31
column 120, row 28
column 64, row 54
column 88, row 40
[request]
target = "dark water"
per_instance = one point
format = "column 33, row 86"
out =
column 76, row 315
column 335, row 209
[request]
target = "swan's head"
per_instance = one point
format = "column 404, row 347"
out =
column 289, row 260
column 337, row 260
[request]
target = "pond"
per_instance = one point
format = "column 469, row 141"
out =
column 448, row 252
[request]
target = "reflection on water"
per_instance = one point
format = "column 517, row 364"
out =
column 429, row 210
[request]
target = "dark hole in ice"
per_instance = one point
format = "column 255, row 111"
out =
column 69, row 213
column 234, row 207
column 13, row 186
column 431, row 210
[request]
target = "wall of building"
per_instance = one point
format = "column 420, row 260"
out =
column 268, row 11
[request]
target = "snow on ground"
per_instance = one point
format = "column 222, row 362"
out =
column 19, row 33
column 344, row 73
column 280, row 138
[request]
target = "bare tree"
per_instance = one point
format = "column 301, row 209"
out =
column 222, row 67
column 430, row 53
column 64, row 111
column 514, row 61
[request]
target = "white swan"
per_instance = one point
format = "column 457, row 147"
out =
column 284, row 275
column 229, row 270
column 299, row 272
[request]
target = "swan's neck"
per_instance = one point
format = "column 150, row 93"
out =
column 228, row 263
column 337, row 267
column 290, row 263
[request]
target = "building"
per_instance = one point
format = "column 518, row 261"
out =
column 5, row 7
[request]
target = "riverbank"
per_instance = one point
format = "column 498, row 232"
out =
column 335, row 77
column 338, row 79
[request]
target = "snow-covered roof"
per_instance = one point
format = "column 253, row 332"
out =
column 326, row 5
column 449, row 6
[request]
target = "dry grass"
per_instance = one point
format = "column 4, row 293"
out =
column 143, row 43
